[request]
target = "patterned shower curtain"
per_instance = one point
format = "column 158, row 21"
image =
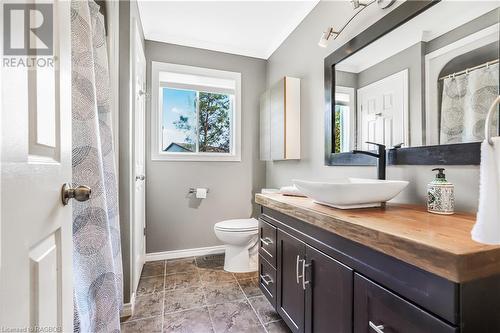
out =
column 97, row 263
column 465, row 102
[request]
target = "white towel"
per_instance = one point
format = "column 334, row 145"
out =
column 487, row 227
column 291, row 190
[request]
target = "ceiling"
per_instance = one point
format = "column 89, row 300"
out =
column 424, row 27
column 250, row 28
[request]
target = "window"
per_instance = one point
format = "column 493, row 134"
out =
column 195, row 113
column 344, row 119
column 341, row 128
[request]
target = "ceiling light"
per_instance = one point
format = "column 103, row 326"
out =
column 323, row 42
column 356, row 4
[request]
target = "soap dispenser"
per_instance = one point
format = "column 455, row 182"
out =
column 440, row 194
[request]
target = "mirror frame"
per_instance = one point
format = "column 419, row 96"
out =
column 451, row 154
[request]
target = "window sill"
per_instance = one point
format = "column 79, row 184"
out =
column 195, row 158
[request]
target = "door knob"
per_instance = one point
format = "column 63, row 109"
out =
column 80, row 193
column 140, row 177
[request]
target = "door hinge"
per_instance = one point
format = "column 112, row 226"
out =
column 144, row 231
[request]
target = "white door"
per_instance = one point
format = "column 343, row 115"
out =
column 383, row 107
column 36, row 228
column 139, row 202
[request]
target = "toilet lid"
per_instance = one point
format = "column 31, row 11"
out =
column 238, row 225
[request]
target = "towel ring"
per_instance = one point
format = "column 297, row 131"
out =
column 493, row 108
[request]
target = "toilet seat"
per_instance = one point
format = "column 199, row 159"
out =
column 237, row 225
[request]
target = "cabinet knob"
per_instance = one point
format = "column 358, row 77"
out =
column 376, row 328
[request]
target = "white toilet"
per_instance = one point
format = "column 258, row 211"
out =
column 240, row 237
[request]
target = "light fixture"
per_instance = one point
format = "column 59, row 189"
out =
column 356, row 4
column 331, row 32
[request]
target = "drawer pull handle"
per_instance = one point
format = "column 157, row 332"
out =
column 297, row 269
column 266, row 279
column 266, row 241
column 304, row 266
column 376, row 328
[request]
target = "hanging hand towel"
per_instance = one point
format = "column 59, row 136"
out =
column 487, row 227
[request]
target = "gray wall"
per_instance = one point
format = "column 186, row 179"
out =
column 175, row 222
column 466, row 29
column 300, row 56
column 346, row 79
column 128, row 13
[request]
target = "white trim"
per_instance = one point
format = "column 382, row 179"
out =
column 200, row 251
column 352, row 115
column 137, row 57
column 127, row 309
column 156, row 154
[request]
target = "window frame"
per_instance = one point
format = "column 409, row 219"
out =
column 352, row 119
column 156, row 114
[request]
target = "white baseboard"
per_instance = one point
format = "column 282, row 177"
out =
column 200, row 251
column 127, row 309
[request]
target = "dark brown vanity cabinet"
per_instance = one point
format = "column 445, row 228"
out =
column 321, row 283
column 290, row 292
column 329, row 298
column 379, row 310
column 314, row 291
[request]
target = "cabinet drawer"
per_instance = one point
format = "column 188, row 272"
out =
column 378, row 310
column 267, row 280
column 267, row 242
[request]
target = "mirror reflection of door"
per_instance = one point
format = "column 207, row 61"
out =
column 383, row 111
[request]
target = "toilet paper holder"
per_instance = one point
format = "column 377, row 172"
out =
column 192, row 190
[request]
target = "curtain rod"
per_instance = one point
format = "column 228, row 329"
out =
column 466, row 71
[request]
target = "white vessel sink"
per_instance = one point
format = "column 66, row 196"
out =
column 351, row 193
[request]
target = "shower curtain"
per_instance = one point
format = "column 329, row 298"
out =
column 465, row 102
column 97, row 263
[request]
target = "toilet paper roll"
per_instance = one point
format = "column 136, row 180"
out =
column 201, row 193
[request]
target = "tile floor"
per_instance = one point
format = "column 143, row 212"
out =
column 195, row 295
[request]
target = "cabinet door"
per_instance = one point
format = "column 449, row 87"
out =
column 290, row 301
column 278, row 121
column 377, row 309
column 328, row 294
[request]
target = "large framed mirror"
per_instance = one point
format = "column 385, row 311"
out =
column 421, row 79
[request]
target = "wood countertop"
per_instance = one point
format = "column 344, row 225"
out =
column 436, row 243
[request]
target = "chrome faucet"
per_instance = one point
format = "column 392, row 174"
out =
column 380, row 156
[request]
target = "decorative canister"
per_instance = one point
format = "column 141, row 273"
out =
column 440, row 194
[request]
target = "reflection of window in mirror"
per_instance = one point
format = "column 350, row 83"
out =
column 344, row 119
